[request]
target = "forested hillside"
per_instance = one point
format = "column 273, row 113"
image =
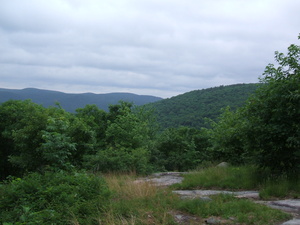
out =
column 191, row 109
column 71, row 102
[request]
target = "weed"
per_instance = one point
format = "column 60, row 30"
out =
column 220, row 178
column 280, row 188
column 227, row 206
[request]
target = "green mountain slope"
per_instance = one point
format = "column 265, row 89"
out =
column 70, row 102
column 191, row 109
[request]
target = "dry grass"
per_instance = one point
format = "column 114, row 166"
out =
column 127, row 186
column 110, row 219
column 136, row 202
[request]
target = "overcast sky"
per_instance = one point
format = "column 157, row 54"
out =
column 153, row 47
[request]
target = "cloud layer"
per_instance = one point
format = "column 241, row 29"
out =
column 152, row 47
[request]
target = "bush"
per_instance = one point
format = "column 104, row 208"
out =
column 180, row 149
column 119, row 160
column 53, row 198
column 273, row 116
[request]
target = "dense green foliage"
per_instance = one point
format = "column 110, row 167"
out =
column 274, row 115
column 53, row 198
column 126, row 138
column 180, row 149
column 191, row 109
column 266, row 131
column 34, row 138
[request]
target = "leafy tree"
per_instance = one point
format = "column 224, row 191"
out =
column 273, row 115
column 21, row 123
column 226, row 138
column 96, row 120
column 57, row 147
column 180, row 149
column 33, row 137
column 127, row 139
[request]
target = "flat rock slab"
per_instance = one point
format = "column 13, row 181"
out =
column 168, row 178
column 202, row 193
column 287, row 205
column 292, row 203
column 164, row 179
column 292, row 222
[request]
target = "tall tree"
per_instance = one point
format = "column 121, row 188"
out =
column 273, row 114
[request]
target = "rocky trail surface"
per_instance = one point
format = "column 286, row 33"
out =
column 291, row 206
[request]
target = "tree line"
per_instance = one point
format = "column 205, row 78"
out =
column 265, row 131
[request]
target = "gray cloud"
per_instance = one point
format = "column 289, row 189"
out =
column 152, row 47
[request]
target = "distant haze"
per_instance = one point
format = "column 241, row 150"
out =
column 71, row 102
column 152, row 47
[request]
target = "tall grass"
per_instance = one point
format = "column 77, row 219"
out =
column 232, row 178
column 241, row 178
column 137, row 202
column 280, row 187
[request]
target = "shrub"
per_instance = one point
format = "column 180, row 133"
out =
column 119, row 160
column 53, row 198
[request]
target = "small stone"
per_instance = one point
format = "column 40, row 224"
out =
column 212, row 221
column 223, row 164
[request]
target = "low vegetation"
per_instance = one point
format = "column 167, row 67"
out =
column 236, row 211
column 241, row 178
column 230, row 178
column 138, row 202
column 114, row 199
column 53, row 198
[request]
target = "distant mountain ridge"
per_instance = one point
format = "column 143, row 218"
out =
column 70, row 102
column 190, row 109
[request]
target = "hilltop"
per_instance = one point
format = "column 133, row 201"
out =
column 191, row 108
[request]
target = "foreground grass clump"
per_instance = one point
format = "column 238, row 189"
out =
column 280, row 187
column 53, row 198
column 221, row 178
column 242, row 178
column 237, row 210
column 138, row 202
